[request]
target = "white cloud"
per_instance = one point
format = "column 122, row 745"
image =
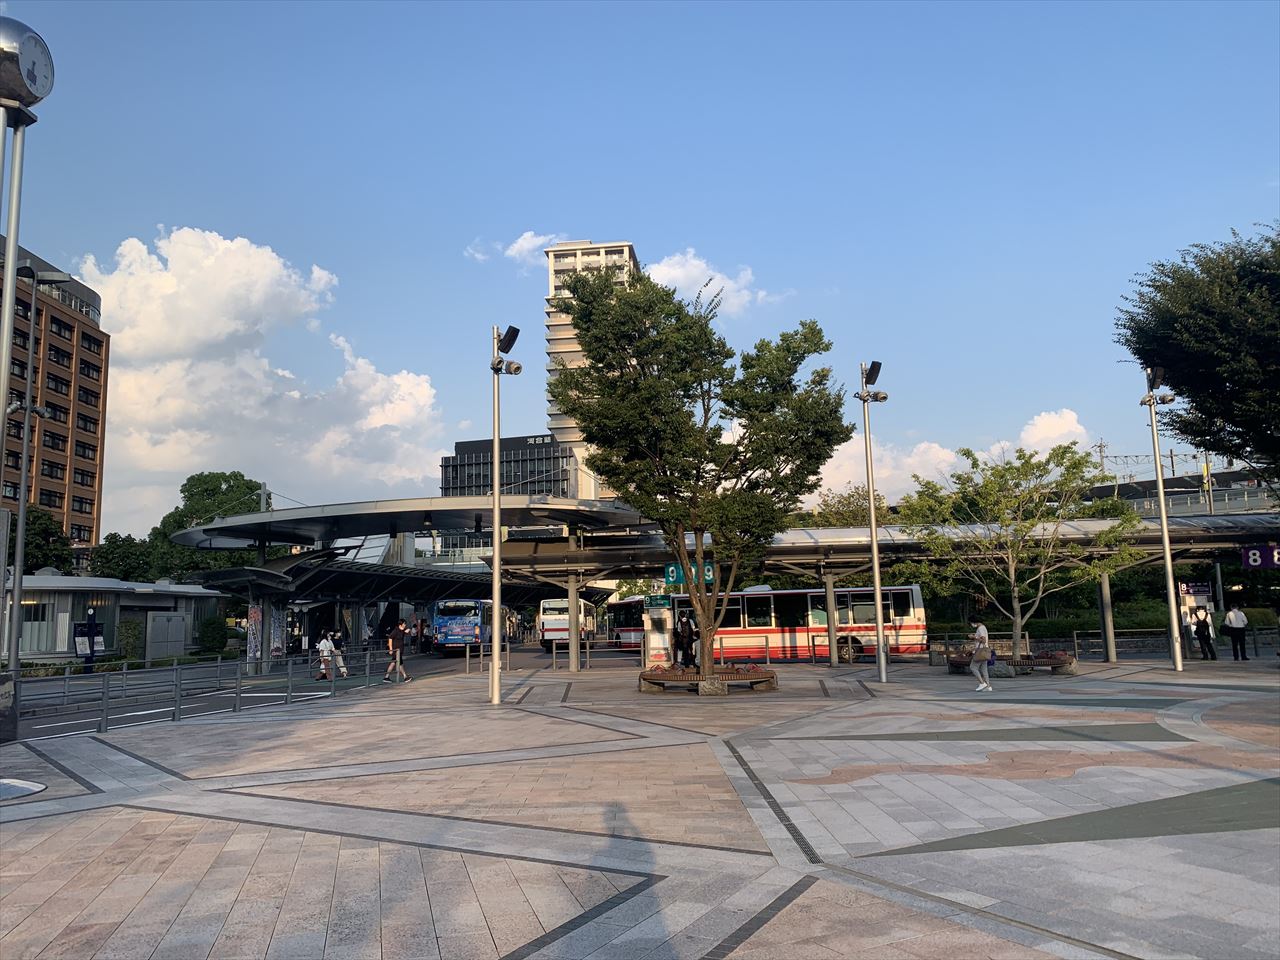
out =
column 688, row 273
column 1051, row 428
column 215, row 402
column 896, row 465
column 527, row 248
column 475, row 250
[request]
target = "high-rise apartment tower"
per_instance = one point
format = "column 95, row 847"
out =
column 562, row 340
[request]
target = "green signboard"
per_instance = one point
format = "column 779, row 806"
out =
column 657, row 600
column 675, row 575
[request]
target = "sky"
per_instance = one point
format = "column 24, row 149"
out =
column 304, row 219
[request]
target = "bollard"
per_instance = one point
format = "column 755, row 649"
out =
column 124, row 679
column 217, row 677
column 588, row 646
column 1255, row 642
column 721, row 639
column 177, row 691
column 553, row 655
column 66, row 684
column 368, row 654
column 104, row 720
column 468, row 655
column 288, row 673
column 813, row 650
column 766, row 650
column 235, row 706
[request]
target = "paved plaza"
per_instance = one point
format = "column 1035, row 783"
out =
column 1124, row 812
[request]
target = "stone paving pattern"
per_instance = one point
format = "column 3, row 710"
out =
column 1124, row 812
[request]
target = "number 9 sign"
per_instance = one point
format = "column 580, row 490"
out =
column 1262, row 557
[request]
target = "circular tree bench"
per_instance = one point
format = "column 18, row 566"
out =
column 656, row 680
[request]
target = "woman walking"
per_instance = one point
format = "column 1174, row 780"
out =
column 981, row 653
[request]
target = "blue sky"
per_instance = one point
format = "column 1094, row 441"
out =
column 962, row 191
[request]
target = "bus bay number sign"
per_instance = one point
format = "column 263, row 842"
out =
column 1262, row 557
column 675, row 574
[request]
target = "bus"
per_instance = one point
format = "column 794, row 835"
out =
column 455, row 623
column 626, row 623
column 553, row 622
column 793, row 623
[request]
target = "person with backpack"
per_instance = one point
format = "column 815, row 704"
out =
column 982, row 653
column 395, row 647
column 1203, row 630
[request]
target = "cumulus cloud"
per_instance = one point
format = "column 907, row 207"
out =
column 216, row 402
column 688, row 273
column 895, row 465
column 527, row 248
column 475, row 250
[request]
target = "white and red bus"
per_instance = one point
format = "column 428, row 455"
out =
column 626, row 623
column 553, row 622
column 794, row 622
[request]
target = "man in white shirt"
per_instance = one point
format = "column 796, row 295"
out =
column 1234, row 625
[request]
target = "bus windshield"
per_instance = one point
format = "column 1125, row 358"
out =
column 456, row 608
column 555, row 606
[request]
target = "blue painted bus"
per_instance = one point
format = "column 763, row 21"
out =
column 455, row 623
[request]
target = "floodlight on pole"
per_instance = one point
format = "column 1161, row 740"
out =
column 1151, row 400
column 870, row 374
column 502, row 343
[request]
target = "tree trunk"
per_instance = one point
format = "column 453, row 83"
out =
column 706, row 650
column 1016, row 608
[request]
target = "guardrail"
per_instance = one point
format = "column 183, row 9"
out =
column 111, row 692
column 482, row 649
column 1156, row 641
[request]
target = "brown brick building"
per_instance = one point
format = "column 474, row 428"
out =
column 71, row 355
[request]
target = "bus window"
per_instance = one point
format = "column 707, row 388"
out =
column 792, row 609
column 864, row 610
column 759, row 611
column 733, row 614
column 817, row 610
column 901, row 603
column 842, row 604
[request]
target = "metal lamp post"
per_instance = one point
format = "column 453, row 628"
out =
column 502, row 343
column 1150, row 400
column 27, row 269
column 870, row 374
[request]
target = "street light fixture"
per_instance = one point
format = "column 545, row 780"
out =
column 26, row 268
column 1151, row 400
column 870, row 374
column 502, row 343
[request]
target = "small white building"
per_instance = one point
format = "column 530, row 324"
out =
column 52, row 604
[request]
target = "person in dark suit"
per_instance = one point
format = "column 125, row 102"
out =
column 686, row 639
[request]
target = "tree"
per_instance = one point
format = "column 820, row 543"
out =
column 1211, row 320
column 717, row 456
column 848, row 507
column 997, row 528
column 204, row 496
column 122, row 556
column 45, row 543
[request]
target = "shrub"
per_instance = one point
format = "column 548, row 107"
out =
column 213, row 635
column 129, row 638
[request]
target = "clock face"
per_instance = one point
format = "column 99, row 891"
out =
column 36, row 66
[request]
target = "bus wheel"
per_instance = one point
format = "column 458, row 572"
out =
column 850, row 652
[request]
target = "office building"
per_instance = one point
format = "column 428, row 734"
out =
column 66, row 354
column 562, row 340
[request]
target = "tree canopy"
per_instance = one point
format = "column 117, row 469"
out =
column 122, row 556
column 997, row 527
column 45, row 543
column 718, row 455
column 846, row 507
column 204, row 496
column 1211, row 320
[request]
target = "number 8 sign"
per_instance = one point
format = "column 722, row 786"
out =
column 1263, row 557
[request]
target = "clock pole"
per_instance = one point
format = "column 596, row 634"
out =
column 26, row 77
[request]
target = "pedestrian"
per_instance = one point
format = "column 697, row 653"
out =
column 1234, row 624
column 981, row 653
column 686, row 636
column 1203, row 629
column 335, row 637
column 326, row 651
column 395, row 647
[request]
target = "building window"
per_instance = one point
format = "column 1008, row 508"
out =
column 59, row 356
column 92, row 344
column 21, row 338
column 82, row 504
column 18, row 368
column 16, row 396
column 54, row 441
column 52, row 498
column 12, row 458
column 58, row 385
column 87, row 423
column 53, row 469
column 85, row 478
column 61, row 328
column 90, row 370
column 58, row 414
column 86, row 451
column 10, row 490
column 80, row 533
column 90, row 397
column 14, row 429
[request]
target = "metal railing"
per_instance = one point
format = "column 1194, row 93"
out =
column 112, row 694
column 481, row 650
column 1232, row 500
column 1155, row 641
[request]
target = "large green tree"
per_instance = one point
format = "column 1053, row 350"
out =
column 1211, row 320
column 45, row 543
column 204, row 497
column 122, row 556
column 718, row 455
column 998, row 527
